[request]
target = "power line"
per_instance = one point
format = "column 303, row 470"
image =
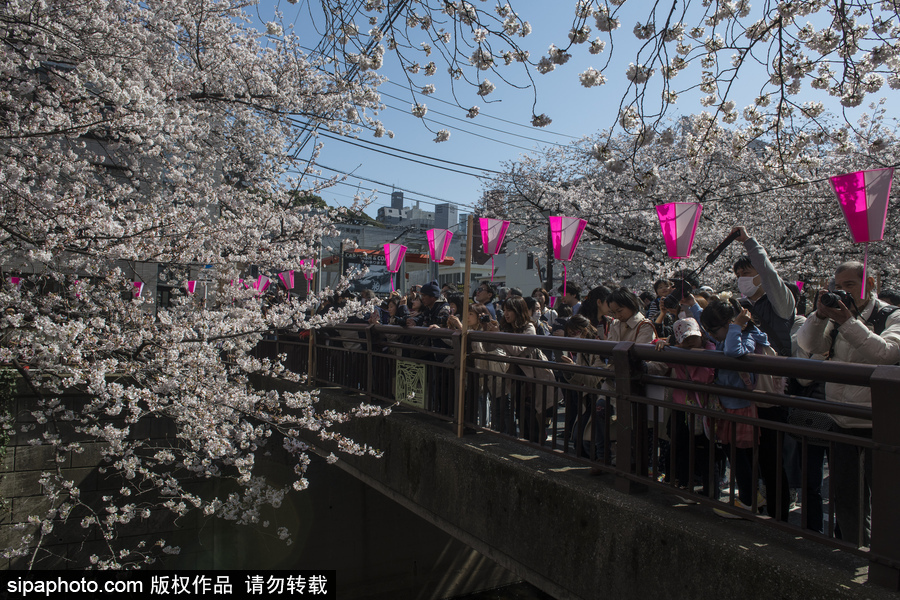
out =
column 347, row 141
column 486, row 115
column 394, row 187
column 525, row 137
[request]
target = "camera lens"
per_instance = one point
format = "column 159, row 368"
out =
column 834, row 299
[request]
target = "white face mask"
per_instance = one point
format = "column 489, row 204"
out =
column 747, row 287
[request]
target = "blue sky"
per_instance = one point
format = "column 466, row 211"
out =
column 502, row 131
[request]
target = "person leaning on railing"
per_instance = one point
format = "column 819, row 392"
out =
column 491, row 387
column 852, row 325
column 730, row 326
column 531, row 400
column 687, row 335
column 581, row 413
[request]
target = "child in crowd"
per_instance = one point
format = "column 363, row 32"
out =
column 686, row 430
column 732, row 328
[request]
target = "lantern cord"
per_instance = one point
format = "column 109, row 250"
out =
column 862, row 289
column 492, row 268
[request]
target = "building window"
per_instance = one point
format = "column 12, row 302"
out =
column 530, row 263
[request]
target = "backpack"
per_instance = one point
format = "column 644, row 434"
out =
column 768, row 384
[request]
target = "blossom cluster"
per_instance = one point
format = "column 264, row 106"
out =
column 124, row 160
column 776, row 187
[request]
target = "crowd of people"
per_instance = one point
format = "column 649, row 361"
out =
column 848, row 321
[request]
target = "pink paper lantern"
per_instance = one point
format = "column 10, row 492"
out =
column 439, row 243
column 393, row 256
column 678, row 221
column 800, row 285
column 565, row 232
column 138, row 288
column 287, row 279
column 191, row 287
column 16, row 281
column 308, row 267
column 261, row 284
column 864, row 197
column 492, row 233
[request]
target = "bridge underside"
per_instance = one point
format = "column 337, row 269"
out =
column 573, row 535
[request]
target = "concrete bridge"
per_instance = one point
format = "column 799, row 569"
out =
column 574, row 535
column 536, row 508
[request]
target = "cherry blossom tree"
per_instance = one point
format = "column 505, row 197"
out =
column 791, row 211
column 799, row 53
column 136, row 133
column 144, row 133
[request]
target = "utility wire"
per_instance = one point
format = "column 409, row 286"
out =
column 487, row 115
column 347, row 141
column 472, row 122
column 393, row 187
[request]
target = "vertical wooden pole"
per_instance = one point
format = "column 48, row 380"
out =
column 464, row 342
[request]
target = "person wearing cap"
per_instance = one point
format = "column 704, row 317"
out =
column 435, row 308
column 688, row 335
column 434, row 313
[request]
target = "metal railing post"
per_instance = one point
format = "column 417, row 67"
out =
column 884, row 562
column 458, row 343
column 630, row 447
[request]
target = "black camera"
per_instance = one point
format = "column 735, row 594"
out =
column 832, row 299
column 671, row 301
column 484, row 318
column 680, row 289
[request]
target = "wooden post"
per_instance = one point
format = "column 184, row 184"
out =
column 464, row 340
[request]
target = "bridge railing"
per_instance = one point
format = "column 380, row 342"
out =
column 612, row 413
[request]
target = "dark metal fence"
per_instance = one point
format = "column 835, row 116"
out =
column 611, row 412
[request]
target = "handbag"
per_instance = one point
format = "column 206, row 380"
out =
column 743, row 432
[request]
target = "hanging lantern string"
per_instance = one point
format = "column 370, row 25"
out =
column 862, row 289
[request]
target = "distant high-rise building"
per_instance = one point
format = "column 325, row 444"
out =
column 445, row 216
column 397, row 200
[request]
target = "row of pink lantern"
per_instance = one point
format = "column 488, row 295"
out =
column 863, row 197
column 566, row 231
column 438, row 245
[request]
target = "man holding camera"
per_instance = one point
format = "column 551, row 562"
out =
column 852, row 325
column 771, row 302
column 773, row 307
